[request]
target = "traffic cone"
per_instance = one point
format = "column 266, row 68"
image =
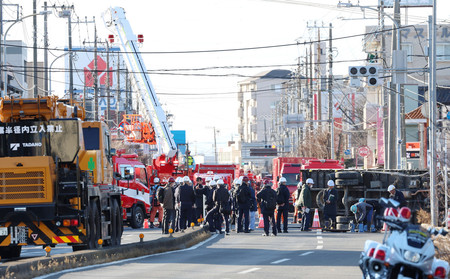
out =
column 316, row 221
column 145, row 223
column 261, row 221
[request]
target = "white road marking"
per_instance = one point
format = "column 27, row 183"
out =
column 319, row 241
column 280, row 261
column 249, row 270
column 319, row 237
column 126, row 260
column 306, row 253
column 319, row 247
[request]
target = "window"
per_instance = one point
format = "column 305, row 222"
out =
column 91, row 138
column 409, row 51
column 443, row 52
column 276, row 88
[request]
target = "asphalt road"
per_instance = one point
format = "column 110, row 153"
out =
column 293, row 255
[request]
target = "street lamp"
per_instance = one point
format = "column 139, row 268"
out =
column 50, row 72
column 5, row 80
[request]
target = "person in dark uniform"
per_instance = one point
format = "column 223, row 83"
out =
column 222, row 207
column 267, row 202
column 185, row 199
column 198, row 212
column 244, row 199
column 210, row 218
column 330, row 208
column 283, row 205
column 397, row 195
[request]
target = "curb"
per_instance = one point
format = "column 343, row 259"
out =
column 44, row 265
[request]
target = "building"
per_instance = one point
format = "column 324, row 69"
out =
column 17, row 69
column 257, row 97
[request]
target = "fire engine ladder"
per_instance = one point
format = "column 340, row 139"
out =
column 142, row 83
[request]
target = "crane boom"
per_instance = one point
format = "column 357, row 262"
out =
column 143, row 85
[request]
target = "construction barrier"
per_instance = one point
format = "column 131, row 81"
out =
column 316, row 221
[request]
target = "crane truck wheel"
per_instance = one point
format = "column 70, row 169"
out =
column 94, row 226
column 9, row 252
column 116, row 224
column 137, row 217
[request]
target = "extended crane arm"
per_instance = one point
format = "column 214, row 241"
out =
column 153, row 109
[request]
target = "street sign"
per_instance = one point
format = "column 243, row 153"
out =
column 364, row 151
column 347, row 152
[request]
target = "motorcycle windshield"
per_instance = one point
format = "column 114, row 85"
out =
column 416, row 236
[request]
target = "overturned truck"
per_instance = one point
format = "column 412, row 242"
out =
column 369, row 184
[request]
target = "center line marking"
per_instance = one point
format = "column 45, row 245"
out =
column 306, row 253
column 319, row 237
column 249, row 270
column 319, row 241
column 280, row 261
column 319, row 247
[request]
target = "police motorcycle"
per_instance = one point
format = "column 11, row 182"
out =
column 407, row 250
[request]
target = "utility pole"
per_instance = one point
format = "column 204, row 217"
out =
column 311, row 99
column 434, row 206
column 46, row 93
column 96, row 117
column 330, row 91
column 35, row 75
column 215, row 145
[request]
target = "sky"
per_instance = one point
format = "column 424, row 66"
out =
column 203, row 99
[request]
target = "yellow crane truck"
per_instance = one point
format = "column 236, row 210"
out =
column 55, row 178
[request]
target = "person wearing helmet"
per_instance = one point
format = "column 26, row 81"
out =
column 330, row 209
column 221, row 210
column 198, row 200
column 282, row 205
column 185, row 199
column 243, row 199
column 397, row 195
column 363, row 215
column 155, row 204
column 168, row 205
column 267, row 199
column 305, row 203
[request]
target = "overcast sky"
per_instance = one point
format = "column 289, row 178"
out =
column 180, row 25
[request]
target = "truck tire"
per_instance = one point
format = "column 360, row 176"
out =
column 9, row 252
column 94, row 226
column 347, row 182
column 343, row 219
column 137, row 217
column 348, row 175
column 342, row 227
column 116, row 224
column 319, row 199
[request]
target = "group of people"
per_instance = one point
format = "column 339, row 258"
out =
column 180, row 203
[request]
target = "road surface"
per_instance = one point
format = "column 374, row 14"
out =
column 292, row 255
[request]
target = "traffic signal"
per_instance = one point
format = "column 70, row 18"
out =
column 373, row 77
column 370, row 71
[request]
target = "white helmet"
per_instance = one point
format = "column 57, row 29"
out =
column 282, row 180
column 216, row 177
column 234, row 181
column 330, row 183
column 239, row 181
column 309, row 181
column 220, row 182
column 391, row 187
column 212, row 183
column 208, row 179
column 186, row 179
column 178, row 180
column 156, row 180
